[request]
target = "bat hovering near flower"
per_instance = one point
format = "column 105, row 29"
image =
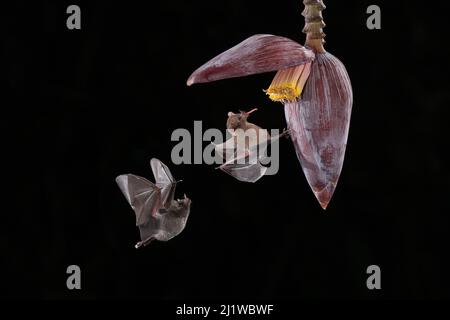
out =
column 312, row 84
column 158, row 215
column 245, row 150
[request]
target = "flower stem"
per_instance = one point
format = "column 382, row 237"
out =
column 314, row 24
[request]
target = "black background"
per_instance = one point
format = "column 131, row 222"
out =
column 83, row 106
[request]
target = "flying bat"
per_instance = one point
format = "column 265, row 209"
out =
column 245, row 150
column 158, row 215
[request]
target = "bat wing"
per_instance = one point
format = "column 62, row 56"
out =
column 164, row 180
column 249, row 169
column 245, row 172
column 244, row 166
column 142, row 195
column 226, row 149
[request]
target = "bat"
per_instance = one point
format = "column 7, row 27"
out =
column 158, row 215
column 242, row 149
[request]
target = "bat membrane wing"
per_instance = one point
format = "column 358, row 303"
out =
column 164, row 180
column 161, row 172
column 228, row 149
column 142, row 195
column 245, row 172
column 246, row 166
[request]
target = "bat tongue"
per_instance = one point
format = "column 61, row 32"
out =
column 247, row 113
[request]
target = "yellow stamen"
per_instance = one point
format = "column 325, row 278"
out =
column 288, row 83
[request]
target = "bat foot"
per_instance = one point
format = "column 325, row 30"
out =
column 286, row 133
column 144, row 243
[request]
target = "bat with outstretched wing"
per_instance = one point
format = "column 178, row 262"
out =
column 158, row 215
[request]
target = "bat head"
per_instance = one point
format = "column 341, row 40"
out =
column 234, row 120
column 238, row 120
column 183, row 206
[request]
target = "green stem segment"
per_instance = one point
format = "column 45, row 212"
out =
column 314, row 24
